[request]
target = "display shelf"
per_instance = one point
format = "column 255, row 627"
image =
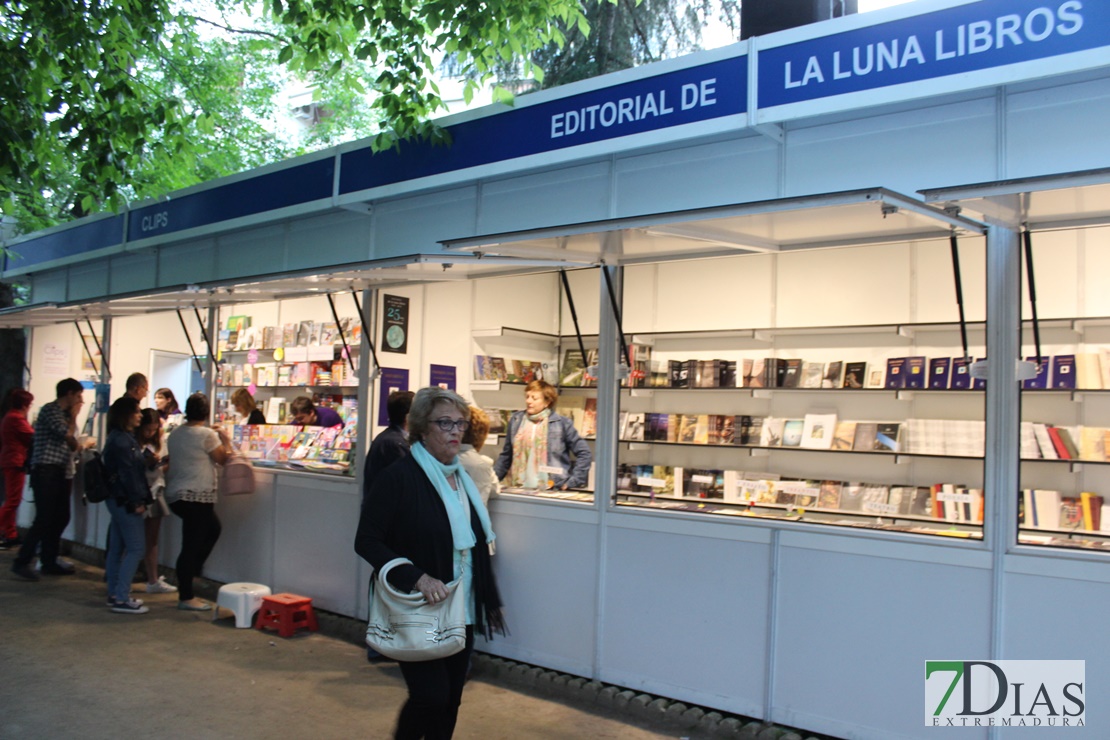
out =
column 636, row 444
column 341, row 389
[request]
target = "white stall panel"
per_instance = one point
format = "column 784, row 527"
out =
column 546, row 567
column 315, row 519
column 1050, row 128
column 245, row 551
column 855, row 622
column 561, row 196
column 685, row 612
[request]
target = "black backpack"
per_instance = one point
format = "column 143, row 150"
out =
column 98, row 483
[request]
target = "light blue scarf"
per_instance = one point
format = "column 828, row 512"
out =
column 461, row 531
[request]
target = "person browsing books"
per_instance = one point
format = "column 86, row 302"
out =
column 306, row 413
column 539, row 443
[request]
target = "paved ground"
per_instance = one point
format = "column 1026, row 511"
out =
column 72, row 669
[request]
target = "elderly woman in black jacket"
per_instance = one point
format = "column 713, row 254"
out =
column 130, row 495
column 426, row 508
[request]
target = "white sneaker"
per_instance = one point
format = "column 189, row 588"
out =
column 160, row 587
column 131, row 606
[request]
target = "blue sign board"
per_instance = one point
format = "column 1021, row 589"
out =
column 98, row 234
column 266, row 192
column 956, row 40
column 684, row 96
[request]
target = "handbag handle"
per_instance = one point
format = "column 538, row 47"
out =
column 411, row 598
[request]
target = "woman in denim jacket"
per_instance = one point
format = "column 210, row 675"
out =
column 539, row 444
column 130, row 495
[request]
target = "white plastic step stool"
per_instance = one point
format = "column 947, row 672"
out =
column 244, row 599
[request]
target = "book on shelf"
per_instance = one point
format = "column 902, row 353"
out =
column 1063, row 371
column 304, row 333
column 818, row 431
column 915, row 372
column 790, row 373
column 771, row 432
column 1044, row 442
column 500, row 371
column 726, row 373
column 1104, row 367
column 784, row 492
column 829, row 495
column 756, row 374
column 961, row 373
column 633, row 430
column 876, row 377
column 640, row 371
column 722, row 429
column 855, row 375
column 792, row 432
column 1030, row 450
column 1088, row 375
column 919, row 502
column 1071, row 512
column 813, row 375
column 1040, row 380
column 755, row 430
column 744, row 370
column 679, row 373
column 979, row 384
column 895, row 373
column 939, row 370
column 844, row 435
column 775, row 372
column 833, row 376
column 864, row 440
column 875, row 496
column 706, row 373
column 589, row 418
column 886, row 437
column 699, row 483
column 483, row 369
column 806, row 495
column 851, row 496
column 658, row 377
column 573, row 372
column 1046, row 508
column 1092, row 445
column 1064, row 449
column 1091, row 506
column 289, row 334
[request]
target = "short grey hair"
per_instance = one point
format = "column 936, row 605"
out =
column 420, row 415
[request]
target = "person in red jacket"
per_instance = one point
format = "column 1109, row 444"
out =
column 15, row 445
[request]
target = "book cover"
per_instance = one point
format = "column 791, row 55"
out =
column 855, row 374
column 1062, row 451
column 1040, row 380
column 771, row 432
column 483, row 369
column 1063, row 371
column 744, row 371
column 790, row 373
column 876, row 377
column 706, row 373
column 939, row 368
column 915, row 372
column 756, row 374
column 851, row 497
column 895, row 373
column 1044, row 442
column 679, row 374
column 961, row 373
column 304, row 333
column 813, row 375
column 875, row 498
column 792, row 432
column 701, row 430
column 844, row 435
column 755, row 430
column 829, row 495
column 722, row 430
column 1071, row 512
column 633, row 427
column 1091, row 504
column 979, row 384
column 886, row 437
column 1092, row 444
column 807, row 495
column 572, row 372
column 589, row 418
column 833, row 377
column 818, row 431
column 866, row 432
column 500, row 371
column 726, row 373
column 1068, row 441
column 687, row 429
column 1046, row 508
column 674, row 421
column 1088, row 376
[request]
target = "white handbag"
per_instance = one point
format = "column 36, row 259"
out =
column 404, row 626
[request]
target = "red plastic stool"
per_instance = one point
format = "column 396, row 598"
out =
column 286, row 613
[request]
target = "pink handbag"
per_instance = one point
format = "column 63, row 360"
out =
column 237, row 476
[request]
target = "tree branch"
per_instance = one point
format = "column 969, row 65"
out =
column 229, row 29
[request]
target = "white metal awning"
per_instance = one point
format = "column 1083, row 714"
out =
column 1066, row 201
column 851, row 218
column 409, row 270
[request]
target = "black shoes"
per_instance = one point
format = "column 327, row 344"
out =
column 58, row 569
column 24, row 572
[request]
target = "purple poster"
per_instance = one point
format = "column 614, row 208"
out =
column 392, row 379
column 442, row 376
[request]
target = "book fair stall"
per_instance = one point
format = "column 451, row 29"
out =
column 827, row 307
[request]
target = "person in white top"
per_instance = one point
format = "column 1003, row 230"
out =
column 191, row 482
column 476, row 464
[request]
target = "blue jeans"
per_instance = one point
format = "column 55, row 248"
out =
column 125, row 550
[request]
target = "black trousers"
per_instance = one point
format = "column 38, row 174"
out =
column 435, row 693
column 52, row 493
column 200, row 529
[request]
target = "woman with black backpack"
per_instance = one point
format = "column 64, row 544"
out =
column 127, row 502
